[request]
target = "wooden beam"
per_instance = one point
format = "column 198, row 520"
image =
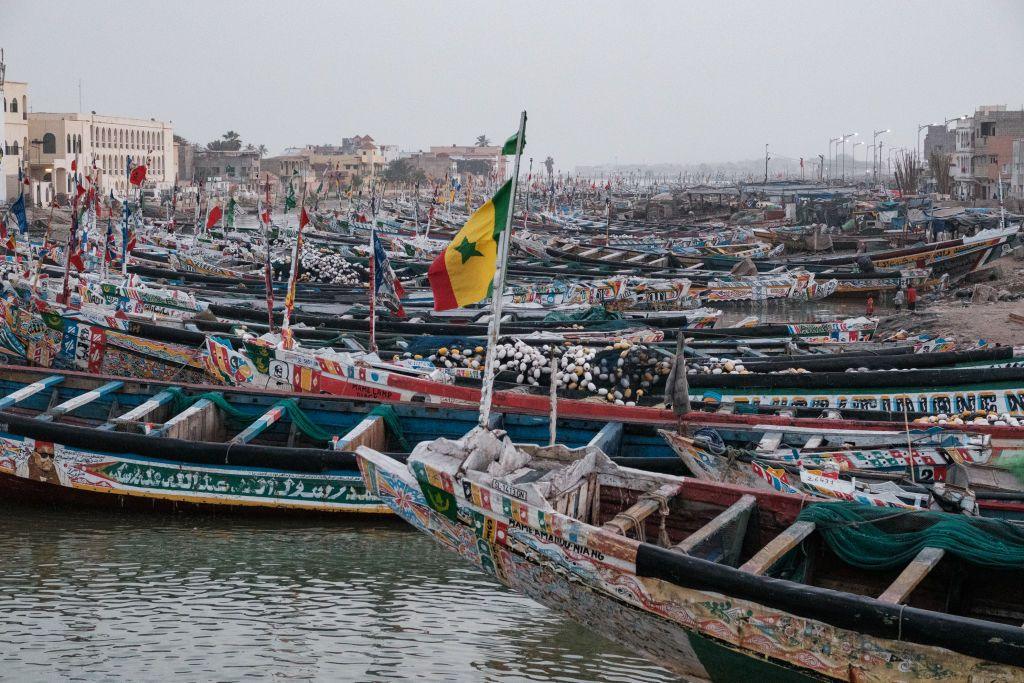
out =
column 264, row 421
column 77, row 402
column 372, row 432
column 28, row 390
column 139, row 412
column 900, row 589
column 726, row 531
column 641, row 510
column 188, row 423
column 790, row 538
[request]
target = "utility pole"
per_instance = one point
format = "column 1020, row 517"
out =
column 766, row 158
column 821, row 166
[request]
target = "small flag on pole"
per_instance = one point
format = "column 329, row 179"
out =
column 215, row 213
column 387, row 288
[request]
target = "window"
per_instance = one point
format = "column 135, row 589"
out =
column 68, row 148
column 14, row 105
column 24, row 107
column 14, row 148
column 49, row 144
column 988, row 128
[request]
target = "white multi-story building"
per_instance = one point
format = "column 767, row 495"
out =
column 13, row 134
column 960, row 171
column 103, row 142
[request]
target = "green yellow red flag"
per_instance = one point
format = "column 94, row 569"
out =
column 462, row 274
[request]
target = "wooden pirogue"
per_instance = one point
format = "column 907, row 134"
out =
column 116, row 442
column 718, row 582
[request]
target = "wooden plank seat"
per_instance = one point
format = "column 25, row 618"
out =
column 790, row 538
column 913, row 574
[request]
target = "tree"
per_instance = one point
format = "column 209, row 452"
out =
column 180, row 140
column 482, row 141
column 549, row 164
column 229, row 142
column 262, row 149
column 908, row 172
column 398, row 171
column 938, row 164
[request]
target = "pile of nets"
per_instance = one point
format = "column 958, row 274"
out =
column 875, row 538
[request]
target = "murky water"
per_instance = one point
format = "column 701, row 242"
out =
column 98, row 596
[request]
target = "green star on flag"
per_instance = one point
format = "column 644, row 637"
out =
column 467, row 249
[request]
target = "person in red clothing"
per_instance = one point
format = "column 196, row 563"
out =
column 912, row 298
column 871, row 305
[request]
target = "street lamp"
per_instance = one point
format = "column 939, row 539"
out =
column 844, row 139
column 853, row 153
column 830, row 141
column 874, row 139
column 873, row 149
column 919, row 129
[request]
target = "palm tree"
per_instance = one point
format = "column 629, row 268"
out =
column 262, row 149
column 549, row 164
column 482, row 141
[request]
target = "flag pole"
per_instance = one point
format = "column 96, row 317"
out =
column 498, row 285
column 373, row 270
column 289, row 300
column 268, row 274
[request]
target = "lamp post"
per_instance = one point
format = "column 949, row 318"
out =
column 843, row 140
column 874, row 139
column 831, row 141
column 874, row 151
column 853, row 154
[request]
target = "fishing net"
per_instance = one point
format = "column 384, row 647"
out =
column 238, row 419
column 592, row 314
column 879, row 539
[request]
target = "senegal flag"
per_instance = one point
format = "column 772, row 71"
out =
column 462, row 274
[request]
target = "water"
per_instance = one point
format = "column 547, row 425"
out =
column 97, row 596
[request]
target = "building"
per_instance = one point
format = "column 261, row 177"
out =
column 963, row 146
column 103, row 142
column 13, row 134
column 461, row 159
column 994, row 131
column 185, row 153
column 238, row 169
column 358, row 156
column 1017, row 170
column 285, row 166
column 939, row 140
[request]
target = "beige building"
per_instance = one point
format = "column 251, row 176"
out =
column 105, row 142
column 363, row 159
column 13, row 134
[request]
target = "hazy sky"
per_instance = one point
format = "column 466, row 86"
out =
column 602, row 81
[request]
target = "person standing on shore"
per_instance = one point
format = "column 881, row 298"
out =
column 911, row 298
column 871, row 306
column 899, row 299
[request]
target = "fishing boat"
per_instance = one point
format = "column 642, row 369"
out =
column 719, row 582
column 927, row 470
column 114, row 442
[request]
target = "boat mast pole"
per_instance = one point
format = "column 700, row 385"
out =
column 293, row 278
column 72, row 238
column 498, row 285
column 373, row 269
column 268, row 273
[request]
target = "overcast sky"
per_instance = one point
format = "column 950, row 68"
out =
column 631, row 82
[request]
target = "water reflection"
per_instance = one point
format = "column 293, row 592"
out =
column 95, row 596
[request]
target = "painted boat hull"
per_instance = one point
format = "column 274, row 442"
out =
column 703, row 624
